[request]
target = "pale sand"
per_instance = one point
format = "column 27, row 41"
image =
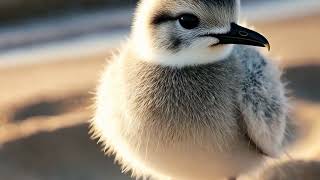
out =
column 295, row 41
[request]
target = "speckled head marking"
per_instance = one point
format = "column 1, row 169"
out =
column 159, row 35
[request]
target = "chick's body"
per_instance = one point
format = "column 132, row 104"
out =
column 181, row 102
column 184, row 123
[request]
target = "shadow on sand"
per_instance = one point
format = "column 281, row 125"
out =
column 304, row 82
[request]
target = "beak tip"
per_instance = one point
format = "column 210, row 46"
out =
column 267, row 45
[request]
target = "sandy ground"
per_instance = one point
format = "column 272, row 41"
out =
column 44, row 108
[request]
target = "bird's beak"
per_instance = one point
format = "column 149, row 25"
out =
column 241, row 35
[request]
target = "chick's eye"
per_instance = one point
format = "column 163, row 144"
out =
column 189, row 21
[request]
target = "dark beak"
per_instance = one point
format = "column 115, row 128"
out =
column 241, row 35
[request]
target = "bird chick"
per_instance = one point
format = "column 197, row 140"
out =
column 185, row 99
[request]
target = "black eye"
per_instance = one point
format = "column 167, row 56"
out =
column 189, row 21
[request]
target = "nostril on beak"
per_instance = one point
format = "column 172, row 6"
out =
column 243, row 33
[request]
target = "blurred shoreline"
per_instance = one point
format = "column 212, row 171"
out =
column 42, row 40
column 15, row 11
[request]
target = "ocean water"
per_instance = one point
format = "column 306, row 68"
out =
column 94, row 32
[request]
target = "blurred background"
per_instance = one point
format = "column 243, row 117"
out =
column 51, row 54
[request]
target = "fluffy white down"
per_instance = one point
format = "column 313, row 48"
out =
column 143, row 157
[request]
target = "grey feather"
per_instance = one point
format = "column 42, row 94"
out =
column 209, row 98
